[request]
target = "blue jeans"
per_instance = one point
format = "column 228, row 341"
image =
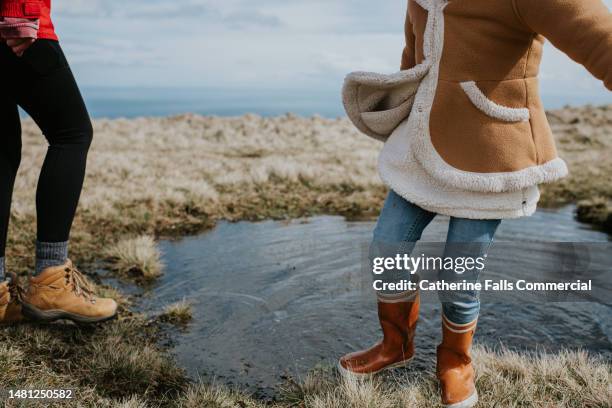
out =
column 401, row 225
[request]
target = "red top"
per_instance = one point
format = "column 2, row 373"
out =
column 40, row 9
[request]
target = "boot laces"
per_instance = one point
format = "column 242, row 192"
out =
column 80, row 285
column 15, row 289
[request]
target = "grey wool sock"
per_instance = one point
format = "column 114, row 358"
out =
column 49, row 254
column 2, row 269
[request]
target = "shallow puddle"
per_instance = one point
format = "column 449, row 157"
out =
column 277, row 298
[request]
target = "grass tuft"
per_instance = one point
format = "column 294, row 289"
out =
column 177, row 313
column 202, row 395
column 133, row 402
column 136, row 257
column 596, row 210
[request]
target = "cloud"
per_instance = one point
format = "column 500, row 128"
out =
column 194, row 15
column 245, row 43
column 243, row 19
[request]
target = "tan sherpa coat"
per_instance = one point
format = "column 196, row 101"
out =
column 478, row 123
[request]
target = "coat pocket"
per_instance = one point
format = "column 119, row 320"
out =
column 492, row 109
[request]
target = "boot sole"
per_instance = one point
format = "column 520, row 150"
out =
column 33, row 313
column 467, row 403
column 348, row 373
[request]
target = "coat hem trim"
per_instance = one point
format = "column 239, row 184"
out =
column 509, row 209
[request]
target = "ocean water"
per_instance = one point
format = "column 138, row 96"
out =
column 109, row 102
column 134, row 102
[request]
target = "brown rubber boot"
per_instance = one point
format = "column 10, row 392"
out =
column 62, row 292
column 455, row 370
column 398, row 322
column 11, row 294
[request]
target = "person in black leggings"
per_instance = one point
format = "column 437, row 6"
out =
column 40, row 81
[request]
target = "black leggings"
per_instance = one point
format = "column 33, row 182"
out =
column 42, row 84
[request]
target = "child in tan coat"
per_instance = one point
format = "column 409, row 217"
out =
column 465, row 135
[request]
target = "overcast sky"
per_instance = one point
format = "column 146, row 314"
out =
column 252, row 43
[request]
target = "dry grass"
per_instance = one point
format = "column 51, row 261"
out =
column 203, row 395
column 177, row 313
column 177, row 175
column 597, row 210
column 104, row 364
column 127, row 368
column 153, row 177
column 504, row 379
column 189, row 162
column 584, row 141
column 136, row 257
column 133, row 402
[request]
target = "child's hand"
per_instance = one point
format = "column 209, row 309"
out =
column 19, row 45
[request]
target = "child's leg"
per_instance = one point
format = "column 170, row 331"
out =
column 400, row 225
column 466, row 239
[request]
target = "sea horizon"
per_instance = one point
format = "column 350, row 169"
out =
column 131, row 102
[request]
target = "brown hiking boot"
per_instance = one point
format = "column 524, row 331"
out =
column 11, row 294
column 398, row 322
column 454, row 368
column 62, row 292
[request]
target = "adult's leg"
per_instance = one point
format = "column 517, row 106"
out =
column 50, row 95
column 399, row 226
column 45, row 88
column 10, row 157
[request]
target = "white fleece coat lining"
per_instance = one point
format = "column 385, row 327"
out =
column 491, row 108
